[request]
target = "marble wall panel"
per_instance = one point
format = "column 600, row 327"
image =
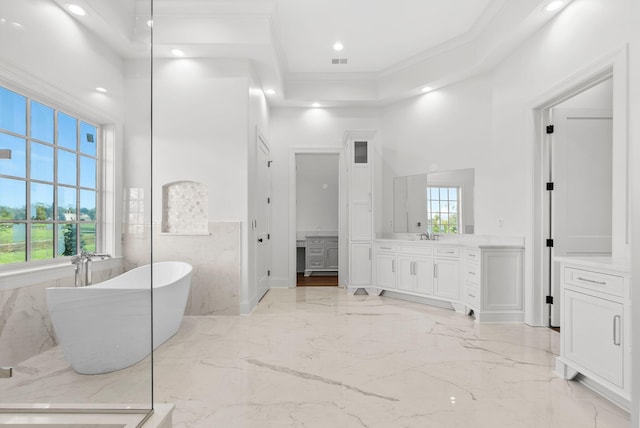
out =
column 25, row 325
column 216, row 258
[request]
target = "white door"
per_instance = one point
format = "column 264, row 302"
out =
column 263, row 217
column 581, row 170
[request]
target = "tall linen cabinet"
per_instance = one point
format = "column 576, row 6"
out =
column 359, row 149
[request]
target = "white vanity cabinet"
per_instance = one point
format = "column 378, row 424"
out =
column 493, row 283
column 595, row 333
column 411, row 269
column 321, row 254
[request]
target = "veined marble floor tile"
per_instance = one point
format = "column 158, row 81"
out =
column 317, row 357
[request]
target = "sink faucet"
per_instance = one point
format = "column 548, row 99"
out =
column 84, row 263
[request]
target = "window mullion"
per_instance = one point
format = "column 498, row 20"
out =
column 28, row 183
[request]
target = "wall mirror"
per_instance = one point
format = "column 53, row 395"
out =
column 439, row 202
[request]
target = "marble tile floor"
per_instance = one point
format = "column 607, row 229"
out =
column 317, row 357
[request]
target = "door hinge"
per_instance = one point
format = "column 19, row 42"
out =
column 268, row 236
column 549, row 242
column 550, row 129
column 268, row 200
column 268, row 273
column 549, row 300
column 269, row 164
column 550, row 186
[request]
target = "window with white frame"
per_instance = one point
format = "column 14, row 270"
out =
column 443, row 209
column 48, row 181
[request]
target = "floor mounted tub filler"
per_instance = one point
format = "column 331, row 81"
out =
column 107, row 326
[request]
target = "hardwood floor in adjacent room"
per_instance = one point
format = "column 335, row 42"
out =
column 317, row 280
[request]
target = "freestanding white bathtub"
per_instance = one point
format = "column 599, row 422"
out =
column 107, row 326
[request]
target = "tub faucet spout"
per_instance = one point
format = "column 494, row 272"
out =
column 102, row 256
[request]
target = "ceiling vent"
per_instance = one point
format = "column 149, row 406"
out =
column 338, row 61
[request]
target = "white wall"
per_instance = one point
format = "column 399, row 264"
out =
column 303, row 128
column 200, row 133
column 585, row 32
column 317, row 206
column 600, row 96
column 438, row 131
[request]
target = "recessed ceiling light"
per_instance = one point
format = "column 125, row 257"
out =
column 76, row 10
column 554, row 5
column 315, row 105
column 427, row 89
column 338, row 46
column 101, row 89
column 177, row 52
column 270, row 92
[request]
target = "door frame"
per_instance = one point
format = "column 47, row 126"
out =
column 614, row 66
column 293, row 151
column 261, row 140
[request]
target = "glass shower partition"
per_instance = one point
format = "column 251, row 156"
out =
column 75, row 211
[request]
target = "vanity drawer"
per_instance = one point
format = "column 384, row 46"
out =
column 472, row 272
column 331, row 242
column 315, row 241
column 472, row 254
column 315, row 251
column 447, row 251
column 416, row 250
column 382, row 248
column 472, row 296
column 315, row 263
column 597, row 281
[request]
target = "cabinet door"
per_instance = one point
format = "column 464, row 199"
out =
column 360, row 265
column 592, row 334
column 360, row 225
column 331, row 258
column 502, row 287
column 386, row 270
column 423, row 274
column 406, row 279
column 446, row 273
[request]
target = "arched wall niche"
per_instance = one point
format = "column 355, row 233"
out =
column 185, row 206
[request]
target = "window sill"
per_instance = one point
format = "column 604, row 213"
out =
column 26, row 276
column 185, row 233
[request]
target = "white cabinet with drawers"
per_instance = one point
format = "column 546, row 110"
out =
column 596, row 325
column 493, row 283
column 321, row 254
column 484, row 279
column 413, row 269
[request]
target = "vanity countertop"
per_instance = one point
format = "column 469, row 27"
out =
column 618, row 264
column 469, row 241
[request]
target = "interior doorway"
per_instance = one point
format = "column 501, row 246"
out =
column 317, row 218
column 578, row 167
